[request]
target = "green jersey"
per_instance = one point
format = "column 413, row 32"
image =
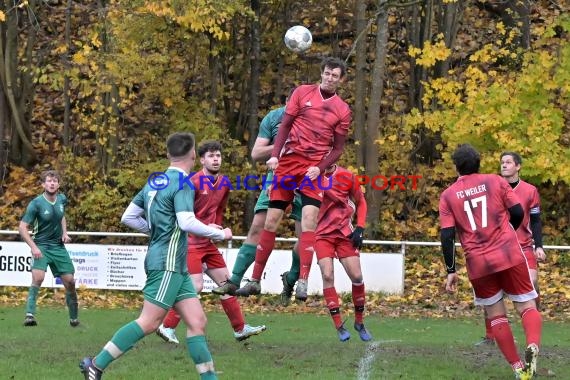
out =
column 45, row 218
column 168, row 244
column 270, row 124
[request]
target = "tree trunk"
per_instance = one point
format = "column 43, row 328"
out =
column 373, row 197
column 361, row 83
column 18, row 88
column 413, row 25
column 515, row 14
column 66, row 80
column 3, row 141
column 252, row 119
column 448, row 24
column 214, row 75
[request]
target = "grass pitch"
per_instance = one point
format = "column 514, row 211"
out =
column 295, row 346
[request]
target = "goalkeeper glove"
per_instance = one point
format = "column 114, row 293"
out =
column 357, row 237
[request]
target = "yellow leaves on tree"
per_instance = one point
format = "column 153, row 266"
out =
column 431, row 53
column 495, row 108
column 199, row 15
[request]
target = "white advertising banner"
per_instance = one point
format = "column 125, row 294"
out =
column 122, row 267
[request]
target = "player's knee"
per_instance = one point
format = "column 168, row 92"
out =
column 37, row 280
column 356, row 280
column 328, row 277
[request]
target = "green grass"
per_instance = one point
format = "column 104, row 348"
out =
column 295, row 346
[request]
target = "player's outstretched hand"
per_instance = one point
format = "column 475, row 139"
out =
column 227, row 234
column 451, row 283
column 272, row 163
column 357, row 236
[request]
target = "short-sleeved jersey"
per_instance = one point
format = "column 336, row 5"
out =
column 339, row 205
column 210, row 199
column 316, row 121
column 270, row 124
column 530, row 202
column 168, row 243
column 477, row 206
column 45, row 218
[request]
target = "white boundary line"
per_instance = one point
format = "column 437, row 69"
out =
column 365, row 363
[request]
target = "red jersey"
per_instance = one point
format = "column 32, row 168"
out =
column 339, row 205
column 210, row 200
column 316, row 121
column 477, row 206
column 530, row 202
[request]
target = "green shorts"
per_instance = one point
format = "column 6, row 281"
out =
column 165, row 288
column 57, row 258
column 263, row 201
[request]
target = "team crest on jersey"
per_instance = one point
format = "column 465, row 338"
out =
column 61, row 208
column 308, row 104
column 46, row 212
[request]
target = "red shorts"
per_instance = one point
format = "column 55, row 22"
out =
column 338, row 247
column 515, row 282
column 290, row 175
column 530, row 258
column 200, row 259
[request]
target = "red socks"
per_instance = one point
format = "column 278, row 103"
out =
column 504, row 337
column 306, row 252
column 331, row 298
column 359, row 300
column 264, row 248
column 532, row 325
column 233, row 311
column 171, row 320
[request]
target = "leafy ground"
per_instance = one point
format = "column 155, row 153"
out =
column 295, row 346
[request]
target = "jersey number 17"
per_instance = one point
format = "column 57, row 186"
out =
column 476, row 203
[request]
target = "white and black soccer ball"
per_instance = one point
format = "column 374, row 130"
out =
column 298, row 38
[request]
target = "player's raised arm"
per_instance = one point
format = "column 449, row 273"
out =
column 189, row 223
column 261, row 150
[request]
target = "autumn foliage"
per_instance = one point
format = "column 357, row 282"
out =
column 131, row 72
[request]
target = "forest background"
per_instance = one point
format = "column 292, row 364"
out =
column 93, row 88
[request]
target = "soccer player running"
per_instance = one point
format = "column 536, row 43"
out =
column 310, row 139
column 164, row 208
column 485, row 212
column 211, row 197
column 337, row 238
column 246, row 255
column 530, row 231
column 46, row 214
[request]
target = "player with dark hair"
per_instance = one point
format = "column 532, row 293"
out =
column 530, row 231
column 310, row 139
column 337, row 238
column 261, row 151
column 167, row 214
column 211, row 198
column 46, row 214
column 485, row 212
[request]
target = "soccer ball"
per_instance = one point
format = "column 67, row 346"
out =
column 298, row 38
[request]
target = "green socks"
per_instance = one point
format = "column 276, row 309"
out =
column 123, row 340
column 198, row 350
column 245, row 257
column 293, row 274
column 32, row 298
column 71, row 301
